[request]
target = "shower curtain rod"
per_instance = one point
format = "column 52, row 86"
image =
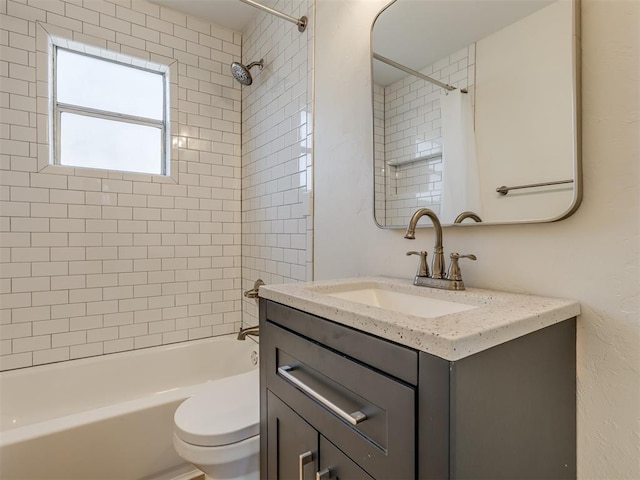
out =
column 301, row 22
column 410, row 71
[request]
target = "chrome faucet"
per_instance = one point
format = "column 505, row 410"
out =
column 453, row 279
column 437, row 266
column 244, row 332
column 468, row 214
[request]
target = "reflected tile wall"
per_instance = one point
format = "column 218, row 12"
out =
column 378, row 155
column 411, row 130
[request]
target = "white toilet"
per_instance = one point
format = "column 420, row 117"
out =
column 218, row 430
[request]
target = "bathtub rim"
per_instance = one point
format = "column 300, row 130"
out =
column 55, row 425
column 126, row 353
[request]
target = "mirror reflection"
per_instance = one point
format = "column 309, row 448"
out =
column 471, row 97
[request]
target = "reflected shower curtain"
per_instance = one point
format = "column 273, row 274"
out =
column 460, row 175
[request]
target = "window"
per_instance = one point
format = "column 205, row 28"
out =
column 109, row 114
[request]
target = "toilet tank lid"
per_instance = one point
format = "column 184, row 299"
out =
column 228, row 412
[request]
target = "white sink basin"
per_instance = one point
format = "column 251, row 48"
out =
column 401, row 302
column 446, row 323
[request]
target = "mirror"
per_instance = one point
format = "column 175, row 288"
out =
column 475, row 109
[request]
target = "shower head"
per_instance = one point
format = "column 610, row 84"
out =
column 241, row 73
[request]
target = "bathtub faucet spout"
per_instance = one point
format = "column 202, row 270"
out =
column 242, row 334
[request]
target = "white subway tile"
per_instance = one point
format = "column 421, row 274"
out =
column 31, row 284
column 68, row 312
column 102, row 280
column 145, row 341
column 102, row 334
column 11, row 331
column 121, row 345
column 68, row 338
column 87, row 350
column 101, row 308
column 18, row 360
column 29, row 344
column 82, row 14
column 50, row 356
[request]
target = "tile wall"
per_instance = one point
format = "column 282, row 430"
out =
column 411, row 132
column 277, row 152
column 95, row 262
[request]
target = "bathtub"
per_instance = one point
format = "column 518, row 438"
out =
column 108, row 417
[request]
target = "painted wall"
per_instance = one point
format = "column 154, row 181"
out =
column 518, row 81
column 591, row 257
column 277, row 151
column 96, row 262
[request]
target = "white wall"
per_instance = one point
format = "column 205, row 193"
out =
column 277, row 151
column 591, row 257
column 523, row 72
column 95, row 261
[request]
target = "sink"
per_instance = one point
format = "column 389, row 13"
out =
column 446, row 323
column 416, row 305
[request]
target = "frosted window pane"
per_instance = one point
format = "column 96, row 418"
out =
column 111, row 145
column 94, row 83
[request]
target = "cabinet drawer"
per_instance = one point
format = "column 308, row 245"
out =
column 317, row 383
column 396, row 360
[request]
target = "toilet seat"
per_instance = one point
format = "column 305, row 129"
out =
column 227, row 413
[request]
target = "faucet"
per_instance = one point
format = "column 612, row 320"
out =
column 244, row 332
column 438, row 279
column 437, row 266
column 468, row 214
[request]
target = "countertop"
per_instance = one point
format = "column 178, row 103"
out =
column 497, row 318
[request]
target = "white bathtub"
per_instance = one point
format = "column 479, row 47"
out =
column 108, row 417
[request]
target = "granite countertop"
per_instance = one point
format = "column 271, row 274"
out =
column 496, row 317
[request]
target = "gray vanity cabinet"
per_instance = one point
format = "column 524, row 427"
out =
column 337, row 403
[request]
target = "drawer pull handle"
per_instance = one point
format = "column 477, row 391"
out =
column 304, row 459
column 353, row 418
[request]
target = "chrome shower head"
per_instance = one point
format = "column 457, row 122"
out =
column 241, row 73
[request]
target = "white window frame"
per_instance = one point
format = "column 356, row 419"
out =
column 58, row 108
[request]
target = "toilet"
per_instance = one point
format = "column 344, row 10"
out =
column 218, row 430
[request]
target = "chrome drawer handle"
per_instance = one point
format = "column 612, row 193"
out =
column 353, row 418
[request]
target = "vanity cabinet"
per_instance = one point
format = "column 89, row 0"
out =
column 337, row 403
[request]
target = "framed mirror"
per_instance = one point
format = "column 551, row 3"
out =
column 476, row 111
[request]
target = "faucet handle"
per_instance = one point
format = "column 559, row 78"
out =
column 454, row 272
column 423, row 269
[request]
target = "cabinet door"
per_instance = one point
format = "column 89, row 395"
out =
column 335, row 465
column 292, row 444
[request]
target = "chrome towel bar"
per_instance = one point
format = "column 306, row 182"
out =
column 503, row 190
